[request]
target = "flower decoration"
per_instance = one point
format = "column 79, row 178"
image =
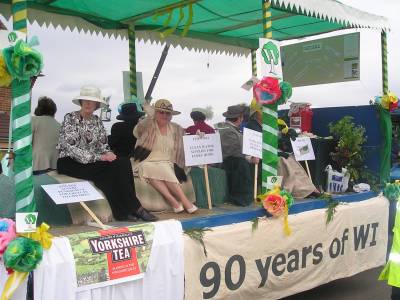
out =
column 22, row 61
column 5, row 77
column 275, row 205
column 277, row 202
column 392, row 191
column 286, row 92
column 7, row 233
column 388, row 101
column 267, row 91
column 23, row 254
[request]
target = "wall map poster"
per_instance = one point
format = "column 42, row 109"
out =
column 107, row 257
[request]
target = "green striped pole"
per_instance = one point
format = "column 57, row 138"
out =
column 384, row 62
column 21, row 125
column 254, row 62
column 132, row 61
column 269, row 116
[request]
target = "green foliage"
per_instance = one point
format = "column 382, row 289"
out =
column 348, row 153
column 254, row 225
column 197, row 234
column 331, row 209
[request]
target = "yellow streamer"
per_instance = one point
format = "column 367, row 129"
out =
column 188, row 21
column 286, row 227
column 5, row 77
column 14, row 280
column 41, row 235
column 285, row 128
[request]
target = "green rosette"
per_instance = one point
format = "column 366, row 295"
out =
column 23, row 254
column 23, row 62
column 286, row 92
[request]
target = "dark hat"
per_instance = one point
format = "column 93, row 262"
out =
column 234, row 111
column 129, row 112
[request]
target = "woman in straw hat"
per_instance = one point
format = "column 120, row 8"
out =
column 85, row 154
column 159, row 151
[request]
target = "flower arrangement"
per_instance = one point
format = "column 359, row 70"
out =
column 21, row 253
column 388, row 101
column 269, row 91
column 277, row 202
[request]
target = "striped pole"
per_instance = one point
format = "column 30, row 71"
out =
column 254, row 62
column 384, row 62
column 132, row 61
column 269, row 116
column 21, row 125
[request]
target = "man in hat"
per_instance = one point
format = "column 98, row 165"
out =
column 236, row 165
column 122, row 141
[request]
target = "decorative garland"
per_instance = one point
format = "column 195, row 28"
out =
column 21, row 253
column 197, row 234
column 277, row 202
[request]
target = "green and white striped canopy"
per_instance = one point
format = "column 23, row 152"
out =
column 232, row 26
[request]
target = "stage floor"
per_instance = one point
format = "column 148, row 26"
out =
column 222, row 215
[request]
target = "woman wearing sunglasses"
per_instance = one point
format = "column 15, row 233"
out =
column 160, row 157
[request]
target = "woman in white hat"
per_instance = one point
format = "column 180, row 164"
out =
column 85, row 154
column 159, row 151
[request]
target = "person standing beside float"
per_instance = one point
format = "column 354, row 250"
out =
column 85, row 154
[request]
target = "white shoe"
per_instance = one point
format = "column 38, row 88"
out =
column 193, row 209
column 179, row 209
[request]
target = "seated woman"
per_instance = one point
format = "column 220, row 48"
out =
column 199, row 116
column 121, row 140
column 160, row 157
column 45, row 133
column 84, row 153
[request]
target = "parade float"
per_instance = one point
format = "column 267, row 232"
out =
column 261, row 252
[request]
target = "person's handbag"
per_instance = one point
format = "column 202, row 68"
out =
column 180, row 173
column 337, row 182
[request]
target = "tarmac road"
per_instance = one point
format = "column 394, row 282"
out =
column 363, row 286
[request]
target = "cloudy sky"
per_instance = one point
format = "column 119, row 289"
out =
column 191, row 79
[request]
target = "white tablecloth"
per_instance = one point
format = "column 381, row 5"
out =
column 164, row 279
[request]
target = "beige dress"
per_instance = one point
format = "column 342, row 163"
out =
column 158, row 165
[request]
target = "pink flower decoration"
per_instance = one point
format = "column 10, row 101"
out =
column 267, row 91
column 275, row 205
column 7, row 233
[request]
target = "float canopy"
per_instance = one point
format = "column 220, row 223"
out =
column 229, row 26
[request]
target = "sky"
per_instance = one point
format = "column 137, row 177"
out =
column 193, row 79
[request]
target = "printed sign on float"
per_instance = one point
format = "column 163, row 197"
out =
column 202, row 150
column 26, row 222
column 72, row 192
column 252, row 143
column 112, row 256
column 302, row 149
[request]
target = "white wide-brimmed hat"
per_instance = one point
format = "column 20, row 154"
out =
column 90, row 92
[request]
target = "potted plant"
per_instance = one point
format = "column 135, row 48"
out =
column 348, row 152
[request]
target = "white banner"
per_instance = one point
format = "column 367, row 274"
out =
column 72, row 192
column 252, row 143
column 202, row 150
column 266, row 264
